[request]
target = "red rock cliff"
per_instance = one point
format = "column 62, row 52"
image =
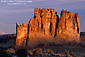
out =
column 42, row 25
column 69, row 26
column 45, row 27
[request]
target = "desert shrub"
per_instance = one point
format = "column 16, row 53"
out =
column 29, row 52
column 48, row 52
column 37, row 51
column 51, row 52
column 1, row 48
column 3, row 53
column 69, row 54
column 10, row 50
column 21, row 53
column 72, row 54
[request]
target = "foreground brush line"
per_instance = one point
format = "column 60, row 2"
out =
column 37, row 52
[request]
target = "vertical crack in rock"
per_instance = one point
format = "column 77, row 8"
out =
column 78, row 23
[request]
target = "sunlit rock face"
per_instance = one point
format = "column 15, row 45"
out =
column 69, row 26
column 42, row 26
column 44, row 20
column 21, row 32
column 46, row 28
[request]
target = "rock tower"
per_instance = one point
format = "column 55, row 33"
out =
column 46, row 28
column 69, row 26
column 21, row 34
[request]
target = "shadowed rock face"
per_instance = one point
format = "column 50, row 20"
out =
column 46, row 27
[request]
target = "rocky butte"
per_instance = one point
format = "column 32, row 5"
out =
column 46, row 28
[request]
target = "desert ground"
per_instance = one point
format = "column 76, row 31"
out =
column 7, row 42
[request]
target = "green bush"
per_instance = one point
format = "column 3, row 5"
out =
column 21, row 53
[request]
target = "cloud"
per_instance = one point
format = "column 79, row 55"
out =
column 2, row 32
column 5, row 33
column 6, row 28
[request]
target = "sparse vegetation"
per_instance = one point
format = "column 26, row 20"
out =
column 10, row 50
column 69, row 54
column 29, row 52
column 3, row 53
column 38, row 52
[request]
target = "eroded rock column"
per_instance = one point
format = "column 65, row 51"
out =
column 21, row 31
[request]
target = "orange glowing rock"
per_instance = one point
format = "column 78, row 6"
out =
column 46, row 27
column 21, row 32
column 69, row 25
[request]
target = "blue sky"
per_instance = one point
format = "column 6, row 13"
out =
column 12, row 14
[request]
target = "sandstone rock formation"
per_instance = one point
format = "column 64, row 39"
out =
column 21, row 34
column 44, row 20
column 46, row 27
column 69, row 26
column 42, row 25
